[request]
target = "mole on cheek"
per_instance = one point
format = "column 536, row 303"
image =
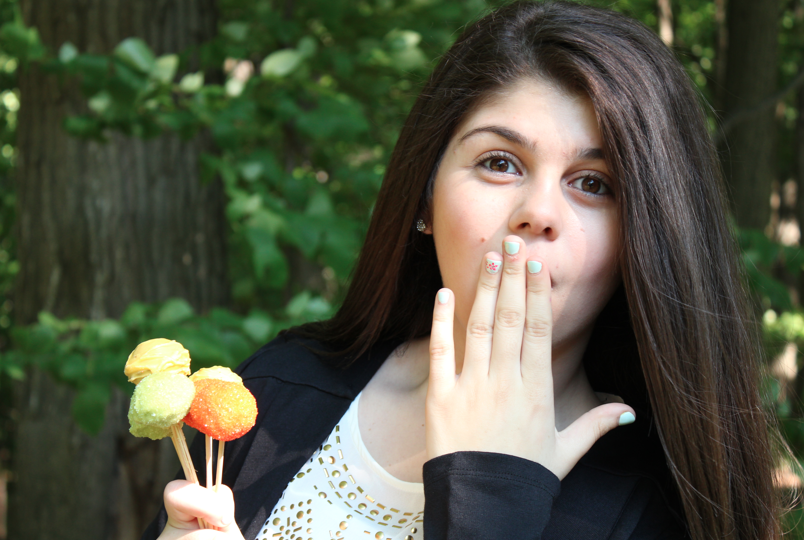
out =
column 482, row 239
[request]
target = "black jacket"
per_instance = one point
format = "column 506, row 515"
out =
column 620, row 489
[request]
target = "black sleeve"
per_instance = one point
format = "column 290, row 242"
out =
column 483, row 495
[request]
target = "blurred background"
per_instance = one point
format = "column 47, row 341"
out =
column 204, row 170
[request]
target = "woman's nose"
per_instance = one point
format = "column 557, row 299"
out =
column 538, row 209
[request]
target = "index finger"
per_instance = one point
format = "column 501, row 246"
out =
column 537, row 339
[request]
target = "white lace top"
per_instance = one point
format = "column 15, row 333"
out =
column 343, row 493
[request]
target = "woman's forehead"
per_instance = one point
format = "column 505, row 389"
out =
column 532, row 109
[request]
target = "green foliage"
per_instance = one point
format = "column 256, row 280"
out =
column 89, row 356
column 304, row 104
column 762, row 258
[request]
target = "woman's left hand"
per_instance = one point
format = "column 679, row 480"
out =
column 502, row 401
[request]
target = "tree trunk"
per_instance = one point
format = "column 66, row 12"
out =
column 665, row 12
column 100, row 226
column 750, row 79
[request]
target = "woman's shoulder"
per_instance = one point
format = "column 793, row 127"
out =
column 296, row 360
column 621, row 487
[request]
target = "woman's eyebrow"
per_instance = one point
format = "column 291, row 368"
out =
column 507, row 134
column 520, row 140
column 590, row 153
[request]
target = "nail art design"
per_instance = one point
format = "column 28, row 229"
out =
column 492, row 266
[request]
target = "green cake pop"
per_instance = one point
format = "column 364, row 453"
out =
column 160, row 401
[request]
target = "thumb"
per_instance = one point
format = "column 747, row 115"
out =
column 227, row 518
column 577, row 438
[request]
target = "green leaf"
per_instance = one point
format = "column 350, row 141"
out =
column 251, row 171
column 67, row 52
column 84, row 127
column 192, row 82
column 258, row 326
column 206, row 348
column 126, row 82
column 335, row 117
column 266, row 220
column 73, row 368
column 234, row 87
column 297, row 304
column 135, row 315
column 281, row 63
column 302, row 232
column 136, row 54
column 307, row 46
column 103, row 334
column 399, row 40
column 320, row 204
column 237, row 347
column 225, row 318
column 235, row 30
column 11, row 365
column 340, row 246
column 100, row 102
column 242, row 205
column 22, row 42
column 306, row 307
column 49, row 320
column 174, row 311
column 165, row 68
column 270, row 264
column 36, row 338
column 89, row 407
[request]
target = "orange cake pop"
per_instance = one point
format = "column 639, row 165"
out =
column 223, row 410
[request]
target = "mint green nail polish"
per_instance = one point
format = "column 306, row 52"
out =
column 443, row 298
column 627, row 418
column 512, row 248
column 534, row 267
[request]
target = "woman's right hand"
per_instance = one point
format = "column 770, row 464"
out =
column 185, row 502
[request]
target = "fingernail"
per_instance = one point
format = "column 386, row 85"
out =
column 534, row 267
column 492, row 266
column 443, row 297
column 225, row 521
column 627, row 418
column 511, row 248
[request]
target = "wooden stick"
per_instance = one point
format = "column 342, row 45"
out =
column 208, row 446
column 180, row 444
column 220, row 465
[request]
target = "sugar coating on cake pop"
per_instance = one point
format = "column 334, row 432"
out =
column 159, row 401
column 151, row 432
column 223, row 410
column 216, row 372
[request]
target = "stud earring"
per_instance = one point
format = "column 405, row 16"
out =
column 420, row 225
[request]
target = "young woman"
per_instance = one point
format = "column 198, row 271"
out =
column 546, row 334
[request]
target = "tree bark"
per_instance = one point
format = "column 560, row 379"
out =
column 750, row 77
column 100, row 226
column 665, row 11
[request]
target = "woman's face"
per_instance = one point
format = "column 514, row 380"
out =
column 530, row 163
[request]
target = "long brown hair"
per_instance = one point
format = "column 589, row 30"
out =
column 695, row 351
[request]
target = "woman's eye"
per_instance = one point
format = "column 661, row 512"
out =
column 591, row 184
column 500, row 165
